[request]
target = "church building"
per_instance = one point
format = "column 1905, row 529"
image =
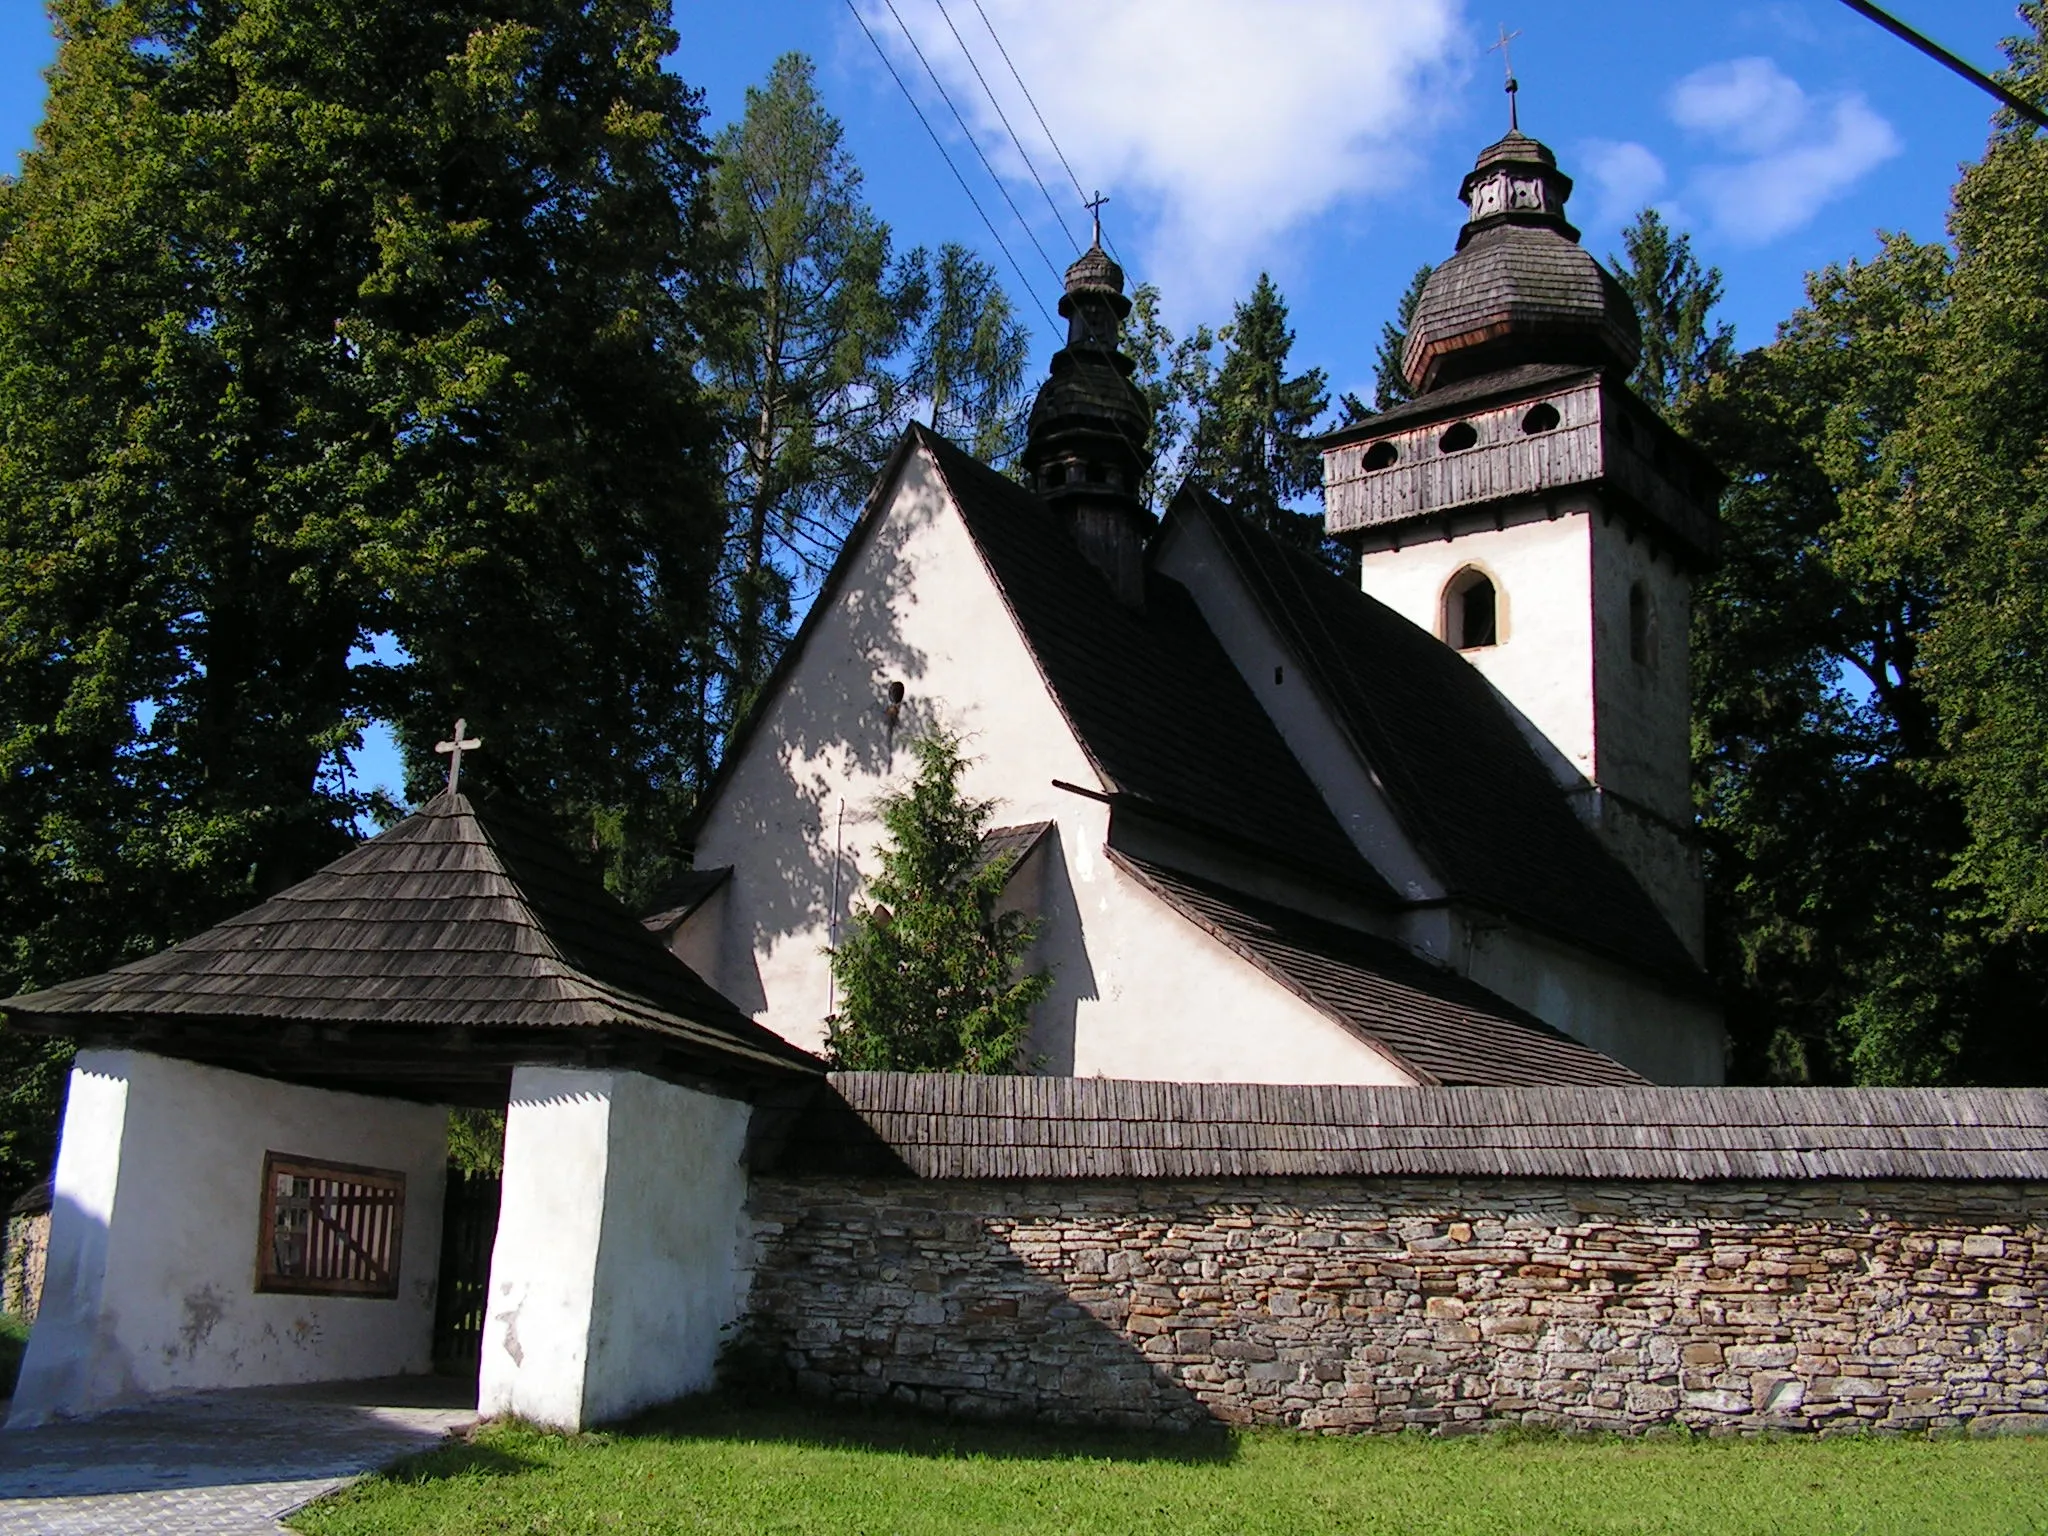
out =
column 1432, row 828
column 1372, row 923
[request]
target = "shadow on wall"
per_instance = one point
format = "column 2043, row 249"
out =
column 931, row 1308
column 832, row 718
column 1062, row 948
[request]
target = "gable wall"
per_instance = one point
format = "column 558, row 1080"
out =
column 1137, row 990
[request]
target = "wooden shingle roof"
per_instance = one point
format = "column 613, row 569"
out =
column 462, row 938
column 953, row 1127
column 1468, row 789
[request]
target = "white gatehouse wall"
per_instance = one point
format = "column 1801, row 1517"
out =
column 151, row 1278
column 617, row 1264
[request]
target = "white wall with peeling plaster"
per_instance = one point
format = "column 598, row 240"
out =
column 617, row 1265
column 151, row 1279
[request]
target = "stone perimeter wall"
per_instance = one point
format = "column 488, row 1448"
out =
column 1377, row 1305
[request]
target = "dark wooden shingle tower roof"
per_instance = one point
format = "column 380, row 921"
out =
column 426, row 962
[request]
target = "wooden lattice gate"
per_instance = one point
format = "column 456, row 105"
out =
column 469, row 1226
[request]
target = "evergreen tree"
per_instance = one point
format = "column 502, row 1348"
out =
column 1683, row 345
column 1390, row 384
column 1252, row 440
column 833, row 346
column 967, row 358
column 802, row 368
column 322, row 320
column 927, row 972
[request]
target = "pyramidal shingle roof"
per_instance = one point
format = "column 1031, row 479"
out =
column 476, row 919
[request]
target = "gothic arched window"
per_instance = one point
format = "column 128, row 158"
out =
column 1471, row 610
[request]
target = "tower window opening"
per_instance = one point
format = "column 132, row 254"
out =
column 1471, row 611
column 1382, row 455
column 1542, row 417
column 1642, row 626
column 1460, row 437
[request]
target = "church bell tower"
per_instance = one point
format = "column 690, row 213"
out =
column 1528, row 509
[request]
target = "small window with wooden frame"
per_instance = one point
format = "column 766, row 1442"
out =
column 329, row 1229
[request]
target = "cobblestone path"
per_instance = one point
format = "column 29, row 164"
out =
column 217, row 1463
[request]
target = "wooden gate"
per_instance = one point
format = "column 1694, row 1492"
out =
column 469, row 1226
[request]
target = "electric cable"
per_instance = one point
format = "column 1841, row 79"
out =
column 940, row 144
column 1029, row 233
column 1022, row 153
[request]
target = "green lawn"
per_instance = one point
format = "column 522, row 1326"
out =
column 716, row 1467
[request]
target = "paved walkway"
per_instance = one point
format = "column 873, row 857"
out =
column 217, row 1463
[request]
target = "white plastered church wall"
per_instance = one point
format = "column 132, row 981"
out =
column 617, row 1265
column 1137, row 990
column 1670, row 1037
column 1542, row 571
column 155, row 1228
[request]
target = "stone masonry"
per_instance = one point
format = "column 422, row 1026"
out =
column 1382, row 1304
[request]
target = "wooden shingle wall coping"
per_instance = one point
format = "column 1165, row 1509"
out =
column 936, row 1126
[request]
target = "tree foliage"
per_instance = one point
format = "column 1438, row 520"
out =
column 1846, row 951
column 320, row 321
column 1389, row 383
column 928, row 971
column 1252, row 438
column 1980, row 508
column 834, row 345
column 1683, row 345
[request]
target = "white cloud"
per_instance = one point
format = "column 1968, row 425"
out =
column 1625, row 176
column 1798, row 151
column 1218, row 127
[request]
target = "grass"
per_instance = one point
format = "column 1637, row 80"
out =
column 711, row 1466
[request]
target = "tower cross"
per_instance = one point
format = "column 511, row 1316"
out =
column 1094, row 206
column 453, row 750
column 1507, row 64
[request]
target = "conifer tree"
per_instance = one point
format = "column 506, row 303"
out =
column 928, row 971
column 1390, row 384
column 967, row 359
column 1683, row 345
column 1252, row 440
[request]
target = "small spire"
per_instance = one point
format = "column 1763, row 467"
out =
column 1094, row 206
column 453, row 750
column 1507, row 64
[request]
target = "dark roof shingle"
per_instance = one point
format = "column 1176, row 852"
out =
column 1461, row 777
column 1155, row 702
column 453, row 917
column 949, row 1127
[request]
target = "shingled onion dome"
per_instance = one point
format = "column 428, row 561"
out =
column 1085, row 449
column 1520, row 289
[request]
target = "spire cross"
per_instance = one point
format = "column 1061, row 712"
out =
column 1508, row 64
column 453, row 751
column 1094, row 206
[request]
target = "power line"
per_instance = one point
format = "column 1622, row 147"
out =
column 1043, row 125
column 940, row 144
column 1029, row 233
column 1022, row 153
column 1942, row 56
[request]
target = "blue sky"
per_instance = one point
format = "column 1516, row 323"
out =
column 1323, row 140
